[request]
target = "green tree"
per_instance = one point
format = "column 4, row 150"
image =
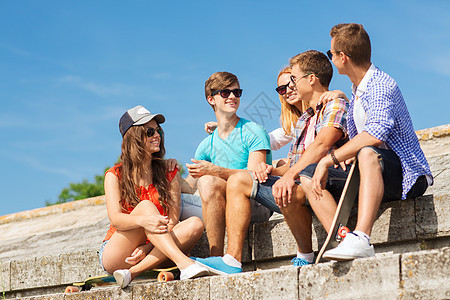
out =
column 82, row 190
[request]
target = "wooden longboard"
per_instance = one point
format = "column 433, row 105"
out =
column 161, row 275
column 343, row 210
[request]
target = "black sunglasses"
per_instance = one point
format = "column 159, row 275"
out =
column 225, row 93
column 330, row 54
column 282, row 89
column 151, row 131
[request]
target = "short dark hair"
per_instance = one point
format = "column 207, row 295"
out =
column 316, row 62
column 353, row 40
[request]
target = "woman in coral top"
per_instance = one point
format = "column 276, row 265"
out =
column 143, row 203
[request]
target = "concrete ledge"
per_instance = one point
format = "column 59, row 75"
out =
column 426, row 275
column 410, row 225
column 269, row 284
column 423, row 274
column 371, row 278
column 112, row 292
column 432, row 216
column 191, row 289
column 35, row 272
column 434, row 132
column 397, row 222
column 53, row 209
column 5, row 276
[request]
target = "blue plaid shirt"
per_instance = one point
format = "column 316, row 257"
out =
column 388, row 120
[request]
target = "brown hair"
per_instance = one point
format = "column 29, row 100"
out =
column 218, row 81
column 289, row 113
column 133, row 157
column 353, row 40
column 315, row 62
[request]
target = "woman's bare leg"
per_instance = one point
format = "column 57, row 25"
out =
column 168, row 245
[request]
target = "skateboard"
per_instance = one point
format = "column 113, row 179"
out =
column 338, row 228
column 160, row 275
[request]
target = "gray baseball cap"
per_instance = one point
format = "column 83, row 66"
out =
column 138, row 115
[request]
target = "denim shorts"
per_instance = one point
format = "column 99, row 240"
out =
column 100, row 253
column 335, row 181
column 391, row 170
column 264, row 194
column 191, row 206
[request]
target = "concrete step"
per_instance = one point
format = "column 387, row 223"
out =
column 415, row 275
column 402, row 226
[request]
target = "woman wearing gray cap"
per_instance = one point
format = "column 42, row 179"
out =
column 145, row 234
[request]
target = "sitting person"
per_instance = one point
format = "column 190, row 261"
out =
column 143, row 203
column 320, row 128
column 391, row 164
column 282, row 136
column 236, row 144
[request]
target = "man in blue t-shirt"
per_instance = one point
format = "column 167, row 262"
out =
column 236, row 144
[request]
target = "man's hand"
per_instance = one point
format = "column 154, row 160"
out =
column 172, row 164
column 331, row 95
column 210, row 127
column 200, row 168
column 282, row 190
column 261, row 171
column 319, row 179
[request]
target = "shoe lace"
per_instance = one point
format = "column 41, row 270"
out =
column 299, row 262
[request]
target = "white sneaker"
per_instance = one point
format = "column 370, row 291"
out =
column 353, row 246
column 123, row 277
column 193, row 271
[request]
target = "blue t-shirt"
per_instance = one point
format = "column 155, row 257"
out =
column 233, row 152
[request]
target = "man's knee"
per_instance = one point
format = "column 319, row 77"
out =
column 306, row 182
column 368, row 157
column 211, row 188
column 241, row 181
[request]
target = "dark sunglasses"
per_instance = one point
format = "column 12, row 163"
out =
column 330, row 54
column 225, row 93
column 282, row 89
column 151, row 131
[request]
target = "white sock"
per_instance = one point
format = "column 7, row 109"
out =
column 231, row 261
column 309, row 257
column 362, row 234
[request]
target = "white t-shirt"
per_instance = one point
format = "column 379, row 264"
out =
column 279, row 139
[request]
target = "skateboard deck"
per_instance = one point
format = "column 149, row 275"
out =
column 338, row 226
column 160, row 275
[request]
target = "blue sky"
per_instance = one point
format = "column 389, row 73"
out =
column 69, row 69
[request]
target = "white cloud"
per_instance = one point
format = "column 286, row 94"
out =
column 43, row 167
column 95, row 88
column 162, row 75
column 441, row 64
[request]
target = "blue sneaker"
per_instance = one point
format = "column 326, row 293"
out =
column 217, row 266
column 300, row 262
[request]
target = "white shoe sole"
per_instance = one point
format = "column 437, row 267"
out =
column 212, row 271
column 343, row 257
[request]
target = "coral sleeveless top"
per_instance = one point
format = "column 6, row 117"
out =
column 150, row 194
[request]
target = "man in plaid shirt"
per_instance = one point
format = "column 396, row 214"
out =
column 319, row 129
column 392, row 166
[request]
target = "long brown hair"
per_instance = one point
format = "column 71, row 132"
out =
column 289, row 113
column 134, row 156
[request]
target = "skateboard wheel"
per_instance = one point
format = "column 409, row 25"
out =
column 165, row 276
column 72, row 289
column 342, row 232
